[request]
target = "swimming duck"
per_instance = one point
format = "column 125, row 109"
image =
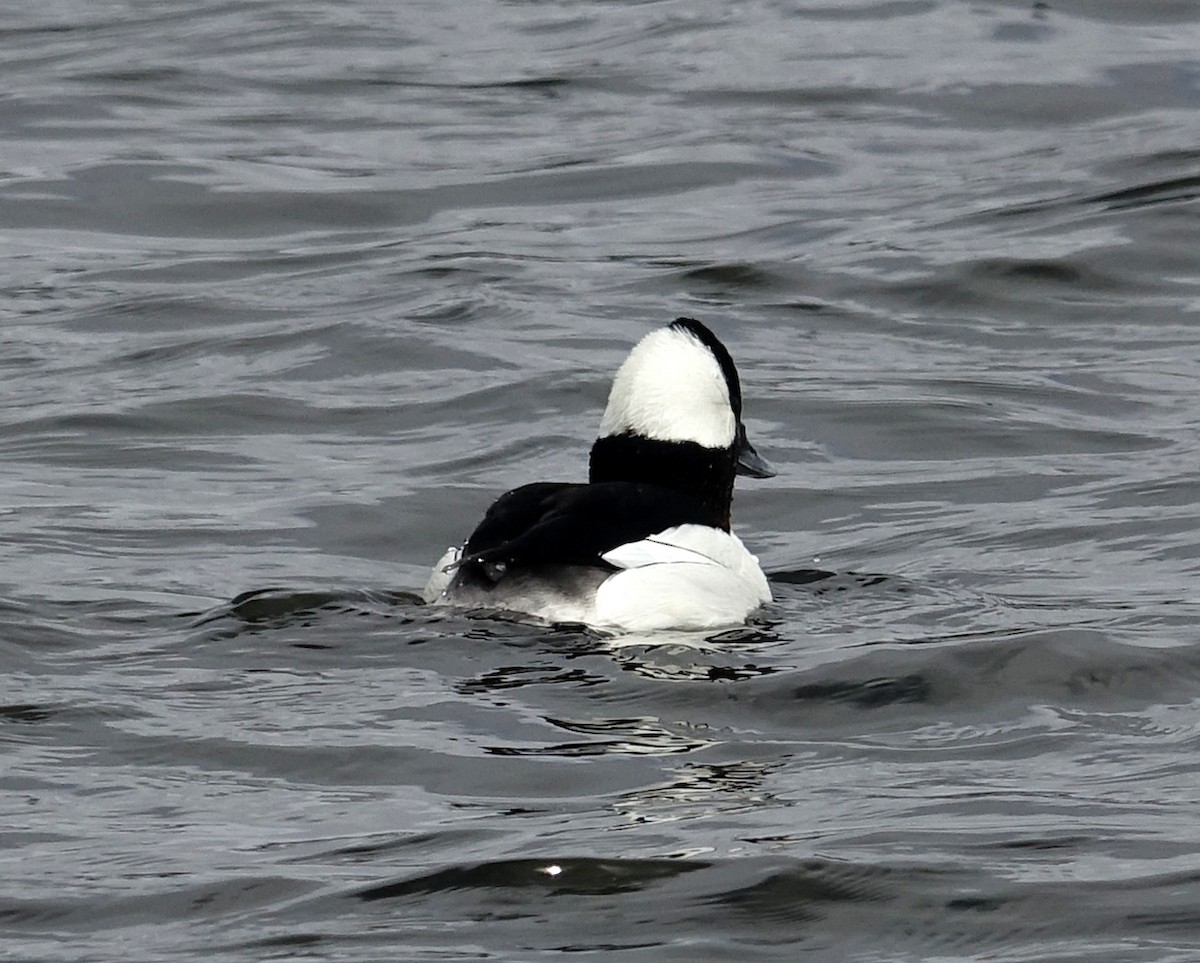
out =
column 645, row 544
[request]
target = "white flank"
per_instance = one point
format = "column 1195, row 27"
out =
column 671, row 388
column 689, row 577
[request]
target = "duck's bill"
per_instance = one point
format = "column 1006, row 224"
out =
column 750, row 462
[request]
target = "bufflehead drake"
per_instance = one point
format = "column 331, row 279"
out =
column 645, row 544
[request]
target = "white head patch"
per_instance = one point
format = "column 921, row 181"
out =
column 671, row 388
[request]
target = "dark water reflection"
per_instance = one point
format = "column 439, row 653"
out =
column 291, row 291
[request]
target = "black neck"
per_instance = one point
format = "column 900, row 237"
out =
column 703, row 474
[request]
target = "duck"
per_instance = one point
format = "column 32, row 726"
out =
column 646, row 543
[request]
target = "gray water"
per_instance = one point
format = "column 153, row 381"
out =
column 292, row 290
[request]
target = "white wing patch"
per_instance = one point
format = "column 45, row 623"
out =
column 656, row 551
column 697, row 544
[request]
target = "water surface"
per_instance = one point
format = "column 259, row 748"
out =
column 291, row 291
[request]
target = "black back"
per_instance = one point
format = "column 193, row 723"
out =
column 570, row 524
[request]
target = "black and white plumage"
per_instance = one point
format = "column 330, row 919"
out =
column 645, row 544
